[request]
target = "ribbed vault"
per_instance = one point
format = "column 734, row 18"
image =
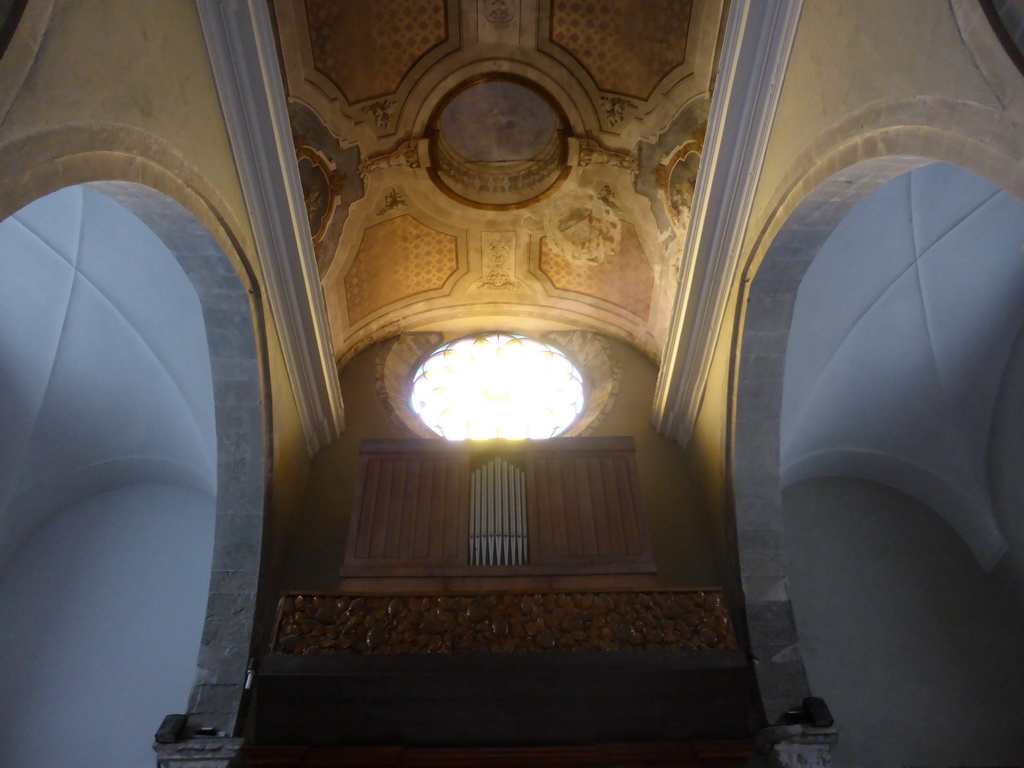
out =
column 901, row 330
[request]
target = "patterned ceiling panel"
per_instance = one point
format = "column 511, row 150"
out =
column 366, row 49
column 397, row 259
column 625, row 278
column 626, row 46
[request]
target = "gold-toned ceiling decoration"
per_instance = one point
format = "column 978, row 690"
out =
column 367, row 49
column 605, row 37
column 397, row 259
column 508, row 154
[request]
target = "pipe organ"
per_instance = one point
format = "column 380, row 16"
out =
column 553, row 514
column 497, row 515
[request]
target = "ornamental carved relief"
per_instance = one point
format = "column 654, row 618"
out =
column 504, row 623
column 615, row 109
column 380, row 111
column 393, row 201
column 498, row 11
column 592, row 153
column 406, row 156
column 499, row 263
column 583, row 229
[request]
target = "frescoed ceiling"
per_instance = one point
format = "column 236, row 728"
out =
column 498, row 164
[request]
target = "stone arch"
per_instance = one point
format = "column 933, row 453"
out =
column 29, row 20
column 862, row 152
column 184, row 211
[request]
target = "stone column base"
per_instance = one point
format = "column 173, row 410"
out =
column 796, row 746
column 200, row 753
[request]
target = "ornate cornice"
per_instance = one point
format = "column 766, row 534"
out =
column 755, row 56
column 243, row 57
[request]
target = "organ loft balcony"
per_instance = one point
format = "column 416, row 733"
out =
column 495, row 596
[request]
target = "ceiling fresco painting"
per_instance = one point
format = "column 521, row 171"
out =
column 519, row 165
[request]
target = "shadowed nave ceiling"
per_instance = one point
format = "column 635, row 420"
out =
column 498, row 164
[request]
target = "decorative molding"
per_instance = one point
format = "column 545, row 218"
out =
column 243, row 56
column 755, row 57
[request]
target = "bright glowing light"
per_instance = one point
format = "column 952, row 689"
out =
column 497, row 385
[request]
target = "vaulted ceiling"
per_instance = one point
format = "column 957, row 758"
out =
column 901, row 332
column 498, row 164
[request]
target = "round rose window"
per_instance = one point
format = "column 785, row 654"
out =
column 497, row 385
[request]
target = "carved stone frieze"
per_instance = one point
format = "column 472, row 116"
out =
column 504, row 623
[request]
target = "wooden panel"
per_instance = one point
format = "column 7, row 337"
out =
column 497, row 700
column 412, row 513
column 407, row 510
column 662, row 754
column 587, row 507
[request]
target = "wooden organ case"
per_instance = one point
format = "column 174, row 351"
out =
column 433, row 515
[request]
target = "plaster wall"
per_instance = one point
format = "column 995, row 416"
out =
column 131, row 65
column 122, row 90
column 1005, row 458
column 914, row 648
column 132, row 78
column 104, row 607
column 848, row 56
column 888, row 83
column 686, row 533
